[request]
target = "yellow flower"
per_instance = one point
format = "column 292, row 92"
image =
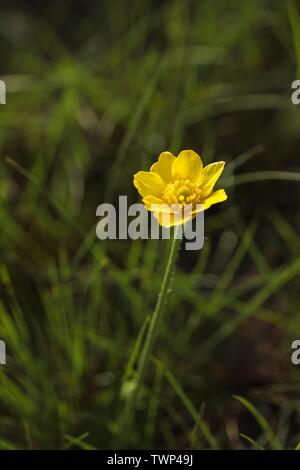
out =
column 175, row 182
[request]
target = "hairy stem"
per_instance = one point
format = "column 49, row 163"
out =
column 152, row 332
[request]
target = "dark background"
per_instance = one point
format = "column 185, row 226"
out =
column 95, row 91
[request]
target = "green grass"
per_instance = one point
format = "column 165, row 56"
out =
column 92, row 99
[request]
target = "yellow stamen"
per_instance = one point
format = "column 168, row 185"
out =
column 182, row 192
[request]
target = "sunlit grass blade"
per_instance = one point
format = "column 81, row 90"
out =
column 261, row 420
column 252, row 442
column 199, row 422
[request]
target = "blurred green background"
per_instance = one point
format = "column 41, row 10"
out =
column 94, row 93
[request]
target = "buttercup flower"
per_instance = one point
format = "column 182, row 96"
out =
column 176, row 183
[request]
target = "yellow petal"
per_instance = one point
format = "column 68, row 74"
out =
column 188, row 165
column 148, row 183
column 198, row 208
column 178, row 216
column 214, row 198
column 163, row 167
column 156, row 204
column 210, row 175
column 167, row 220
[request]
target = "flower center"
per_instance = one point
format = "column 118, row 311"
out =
column 182, row 192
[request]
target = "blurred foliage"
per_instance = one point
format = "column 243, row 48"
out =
column 95, row 93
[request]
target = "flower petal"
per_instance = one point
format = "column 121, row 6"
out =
column 163, row 167
column 156, row 204
column 210, row 175
column 188, row 165
column 214, row 198
column 167, row 220
column 198, row 208
column 148, row 183
column 176, row 216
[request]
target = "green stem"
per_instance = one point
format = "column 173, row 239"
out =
column 159, row 308
column 153, row 327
